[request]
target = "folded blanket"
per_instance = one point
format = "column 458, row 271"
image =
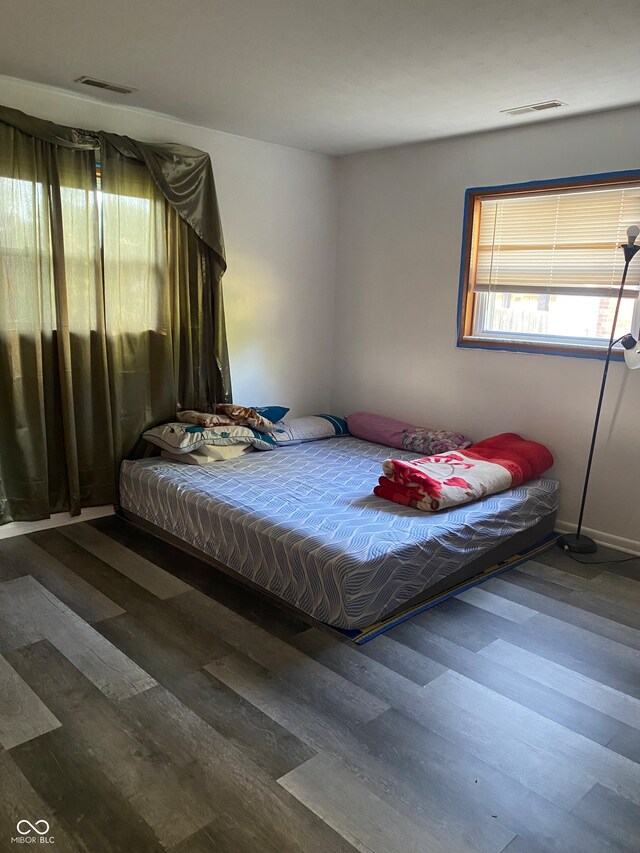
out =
column 226, row 414
column 399, row 494
column 204, row 419
column 245, row 416
column 458, row 477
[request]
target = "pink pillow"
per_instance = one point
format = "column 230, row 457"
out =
column 404, row 436
column 378, row 428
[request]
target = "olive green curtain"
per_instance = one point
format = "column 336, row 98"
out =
column 111, row 313
column 183, row 174
column 55, row 436
column 163, row 305
column 196, row 313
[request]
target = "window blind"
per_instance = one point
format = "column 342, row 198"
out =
column 563, row 242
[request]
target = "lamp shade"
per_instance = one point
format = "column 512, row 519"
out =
column 632, row 356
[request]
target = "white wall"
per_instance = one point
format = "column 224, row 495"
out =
column 278, row 208
column 392, row 327
column 399, row 239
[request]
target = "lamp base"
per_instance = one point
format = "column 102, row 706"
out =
column 577, row 544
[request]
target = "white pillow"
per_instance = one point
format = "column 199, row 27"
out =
column 208, row 454
column 220, row 452
column 311, row 428
column 185, row 438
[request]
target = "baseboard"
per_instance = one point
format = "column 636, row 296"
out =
column 618, row 543
column 60, row 519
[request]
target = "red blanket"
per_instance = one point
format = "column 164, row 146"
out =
column 456, row 477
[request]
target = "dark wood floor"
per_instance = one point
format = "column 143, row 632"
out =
column 148, row 704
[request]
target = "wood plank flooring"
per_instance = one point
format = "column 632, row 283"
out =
column 148, row 703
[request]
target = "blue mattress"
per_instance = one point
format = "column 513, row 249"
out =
column 302, row 522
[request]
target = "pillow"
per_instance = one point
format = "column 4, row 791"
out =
column 377, row 428
column 209, row 454
column 246, row 416
column 311, row 428
column 403, row 435
column 431, row 441
column 185, row 438
column 221, row 452
column 271, row 413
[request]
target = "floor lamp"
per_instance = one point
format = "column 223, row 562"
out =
column 578, row 543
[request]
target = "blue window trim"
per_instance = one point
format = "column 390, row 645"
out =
column 503, row 346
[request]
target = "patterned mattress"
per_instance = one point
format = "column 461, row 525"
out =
column 302, row 522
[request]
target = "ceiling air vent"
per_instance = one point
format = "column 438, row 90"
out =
column 103, row 84
column 533, row 108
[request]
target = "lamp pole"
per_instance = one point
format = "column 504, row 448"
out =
column 576, row 543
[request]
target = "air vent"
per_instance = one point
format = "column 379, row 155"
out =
column 534, row 108
column 103, row 84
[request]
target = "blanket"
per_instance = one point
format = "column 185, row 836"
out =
column 457, row 477
column 226, row 414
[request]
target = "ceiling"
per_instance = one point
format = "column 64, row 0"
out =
column 334, row 76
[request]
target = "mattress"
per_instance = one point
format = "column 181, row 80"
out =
column 302, row 522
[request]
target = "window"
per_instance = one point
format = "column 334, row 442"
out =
column 128, row 220
column 541, row 266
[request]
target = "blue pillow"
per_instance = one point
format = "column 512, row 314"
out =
column 271, row 413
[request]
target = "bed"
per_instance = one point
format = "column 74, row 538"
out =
column 302, row 524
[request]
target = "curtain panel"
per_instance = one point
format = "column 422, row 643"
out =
column 111, row 312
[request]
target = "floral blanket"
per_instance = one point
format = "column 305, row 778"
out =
column 457, row 477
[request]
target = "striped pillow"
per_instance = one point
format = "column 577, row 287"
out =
column 185, row 438
column 311, row 428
